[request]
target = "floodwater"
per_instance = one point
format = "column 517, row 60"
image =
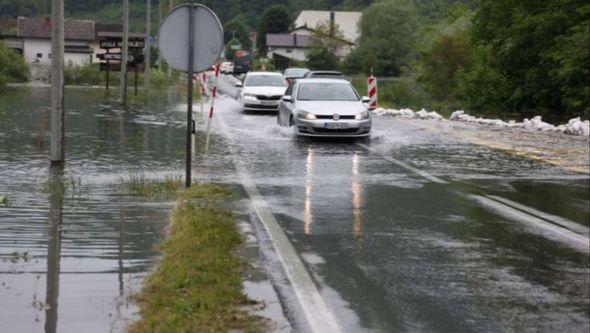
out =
column 389, row 250
column 74, row 244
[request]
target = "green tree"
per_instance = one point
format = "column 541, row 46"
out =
column 237, row 28
column 541, row 49
column 322, row 58
column 387, row 36
column 275, row 19
column 445, row 48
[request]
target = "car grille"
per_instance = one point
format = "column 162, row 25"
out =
column 330, row 117
column 261, row 107
column 268, row 98
column 339, row 130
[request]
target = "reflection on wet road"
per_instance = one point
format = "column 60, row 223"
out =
column 408, row 254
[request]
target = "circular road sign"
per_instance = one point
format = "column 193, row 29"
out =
column 173, row 40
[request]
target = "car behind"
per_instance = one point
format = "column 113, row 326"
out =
column 262, row 91
column 292, row 74
column 324, row 75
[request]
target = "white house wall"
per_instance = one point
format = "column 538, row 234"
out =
column 33, row 47
column 77, row 58
column 295, row 54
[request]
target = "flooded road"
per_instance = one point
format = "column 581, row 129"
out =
column 390, row 249
column 393, row 250
column 74, row 244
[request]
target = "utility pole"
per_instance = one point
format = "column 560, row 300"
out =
column 159, row 23
column 169, row 10
column 148, row 29
column 125, row 52
column 57, row 83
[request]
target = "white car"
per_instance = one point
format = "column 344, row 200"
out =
column 262, row 91
column 325, row 108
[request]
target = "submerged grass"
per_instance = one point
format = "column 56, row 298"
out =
column 139, row 184
column 197, row 285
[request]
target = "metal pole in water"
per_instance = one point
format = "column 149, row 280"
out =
column 148, row 47
column 124, row 52
column 57, row 83
column 189, row 111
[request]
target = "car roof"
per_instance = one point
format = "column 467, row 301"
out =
column 264, row 73
column 322, row 80
column 326, row 72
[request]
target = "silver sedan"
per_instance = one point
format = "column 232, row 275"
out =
column 325, row 107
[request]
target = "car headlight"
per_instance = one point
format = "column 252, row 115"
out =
column 362, row 115
column 306, row 115
column 249, row 96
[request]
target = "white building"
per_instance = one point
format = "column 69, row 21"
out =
column 36, row 40
column 295, row 44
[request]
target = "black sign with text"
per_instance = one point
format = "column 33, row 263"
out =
column 117, row 43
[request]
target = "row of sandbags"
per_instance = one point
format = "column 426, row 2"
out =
column 574, row 126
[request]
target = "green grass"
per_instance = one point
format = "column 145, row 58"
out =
column 197, row 286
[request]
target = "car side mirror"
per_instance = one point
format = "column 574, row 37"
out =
column 366, row 99
column 239, row 85
column 287, row 98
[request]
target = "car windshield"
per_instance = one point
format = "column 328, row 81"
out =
column 296, row 72
column 265, row 80
column 326, row 92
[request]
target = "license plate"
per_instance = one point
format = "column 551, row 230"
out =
column 268, row 102
column 335, row 125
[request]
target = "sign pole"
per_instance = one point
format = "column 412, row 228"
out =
column 108, row 70
column 189, row 111
column 135, row 70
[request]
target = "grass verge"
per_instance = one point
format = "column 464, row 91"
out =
column 197, row 286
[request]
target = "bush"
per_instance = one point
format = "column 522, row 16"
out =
column 261, row 64
column 322, row 58
column 404, row 93
column 12, row 65
column 86, row 74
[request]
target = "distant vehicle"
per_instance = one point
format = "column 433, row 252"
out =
column 226, row 67
column 261, row 91
column 324, row 75
column 292, row 74
column 242, row 62
column 325, row 108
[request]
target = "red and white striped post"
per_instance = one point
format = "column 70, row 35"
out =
column 213, row 95
column 372, row 91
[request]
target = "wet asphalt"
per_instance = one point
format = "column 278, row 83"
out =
column 393, row 251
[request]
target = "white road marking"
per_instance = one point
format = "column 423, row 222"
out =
column 319, row 317
column 571, row 225
column 549, row 230
column 551, row 226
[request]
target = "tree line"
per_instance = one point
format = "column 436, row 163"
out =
column 500, row 56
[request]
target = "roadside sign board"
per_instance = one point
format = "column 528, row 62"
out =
column 117, row 43
column 207, row 38
column 113, row 57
